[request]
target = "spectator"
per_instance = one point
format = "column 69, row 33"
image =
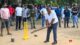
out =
column 67, row 17
column 25, row 14
column 75, row 15
column 58, row 12
column 32, row 17
column 11, row 10
column 5, row 15
column 18, row 17
column 43, row 12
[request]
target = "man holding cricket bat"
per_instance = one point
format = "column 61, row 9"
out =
column 51, row 24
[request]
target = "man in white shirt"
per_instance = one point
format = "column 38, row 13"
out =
column 51, row 23
column 18, row 17
column 43, row 12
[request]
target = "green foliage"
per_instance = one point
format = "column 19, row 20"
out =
column 39, row 2
column 24, row 2
column 54, row 3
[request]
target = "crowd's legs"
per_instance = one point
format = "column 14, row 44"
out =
column 32, row 20
column 18, row 22
column 66, row 22
column 75, row 21
column 59, row 19
column 43, row 21
column 5, row 22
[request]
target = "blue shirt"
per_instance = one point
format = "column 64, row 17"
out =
column 67, row 13
column 58, row 12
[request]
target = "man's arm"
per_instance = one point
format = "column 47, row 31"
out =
column 52, row 21
column 47, row 23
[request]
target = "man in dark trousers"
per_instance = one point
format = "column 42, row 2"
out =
column 51, row 24
column 18, row 17
column 67, row 17
column 32, row 17
column 58, row 12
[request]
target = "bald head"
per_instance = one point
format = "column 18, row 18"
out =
column 48, row 10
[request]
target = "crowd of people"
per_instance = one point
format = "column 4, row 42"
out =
column 53, row 16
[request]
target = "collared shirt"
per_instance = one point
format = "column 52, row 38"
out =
column 25, row 13
column 51, row 16
column 58, row 12
column 44, row 11
column 5, row 14
column 67, row 13
column 18, row 11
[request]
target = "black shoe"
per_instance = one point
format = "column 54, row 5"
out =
column 68, row 27
column 9, row 34
column 34, row 27
column 59, row 26
column 46, row 41
column 54, row 43
column 73, row 26
column 1, row 35
column 11, row 25
column 16, row 29
column 77, row 26
column 64, row 27
column 20, row 29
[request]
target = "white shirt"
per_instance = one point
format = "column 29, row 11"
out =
column 62, row 13
column 44, row 10
column 52, row 16
column 18, row 11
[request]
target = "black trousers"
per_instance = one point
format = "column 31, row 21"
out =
column 66, row 22
column 59, row 18
column 24, row 20
column 18, row 22
column 32, row 23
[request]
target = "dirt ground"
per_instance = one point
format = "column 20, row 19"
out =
column 64, row 36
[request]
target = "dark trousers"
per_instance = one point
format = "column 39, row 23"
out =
column 32, row 20
column 43, row 21
column 66, row 22
column 59, row 18
column 18, row 22
column 11, row 20
column 54, row 28
column 4, row 22
column 24, row 20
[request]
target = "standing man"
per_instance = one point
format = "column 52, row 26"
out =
column 58, row 12
column 67, row 17
column 43, row 12
column 18, row 17
column 25, row 14
column 32, row 17
column 5, row 15
column 75, row 15
column 11, row 10
column 51, row 24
